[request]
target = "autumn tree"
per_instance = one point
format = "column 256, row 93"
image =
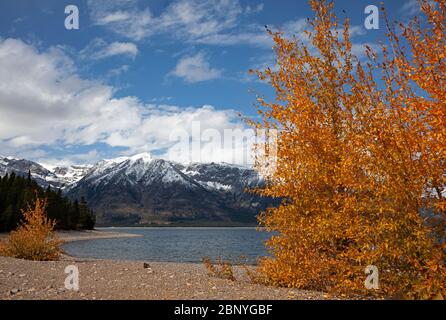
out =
column 34, row 239
column 358, row 159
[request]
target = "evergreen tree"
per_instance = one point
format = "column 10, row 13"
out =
column 17, row 192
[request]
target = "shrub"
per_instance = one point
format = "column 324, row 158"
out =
column 221, row 269
column 255, row 276
column 34, row 239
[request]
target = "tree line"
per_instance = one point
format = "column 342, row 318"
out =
column 17, row 192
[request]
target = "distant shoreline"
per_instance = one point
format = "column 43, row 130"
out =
column 175, row 225
column 71, row 235
column 76, row 235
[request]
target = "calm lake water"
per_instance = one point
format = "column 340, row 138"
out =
column 175, row 244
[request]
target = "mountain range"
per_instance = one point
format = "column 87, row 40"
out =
column 141, row 190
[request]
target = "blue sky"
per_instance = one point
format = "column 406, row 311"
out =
column 136, row 70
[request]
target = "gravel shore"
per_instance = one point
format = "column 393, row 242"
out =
column 111, row 279
column 106, row 279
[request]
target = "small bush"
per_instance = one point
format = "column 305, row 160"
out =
column 255, row 276
column 34, row 239
column 221, row 269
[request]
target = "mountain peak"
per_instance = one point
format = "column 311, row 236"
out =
column 145, row 156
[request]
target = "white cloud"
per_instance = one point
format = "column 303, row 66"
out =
column 122, row 17
column 195, row 69
column 115, row 72
column 211, row 22
column 190, row 20
column 257, row 37
column 411, row 7
column 161, row 99
column 197, row 18
column 254, row 9
column 99, row 49
column 89, row 157
column 45, row 104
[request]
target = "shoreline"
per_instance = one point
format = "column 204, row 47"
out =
column 81, row 235
column 73, row 235
column 106, row 279
column 132, row 280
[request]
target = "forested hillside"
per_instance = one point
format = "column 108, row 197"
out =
column 17, row 192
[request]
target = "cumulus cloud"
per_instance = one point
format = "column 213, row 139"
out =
column 44, row 103
column 195, row 69
column 99, row 49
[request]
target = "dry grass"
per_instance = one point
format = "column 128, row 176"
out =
column 255, row 276
column 220, row 269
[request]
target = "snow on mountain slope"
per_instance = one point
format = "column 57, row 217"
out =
column 223, row 176
column 21, row 167
column 69, row 175
column 54, row 176
column 139, row 169
column 140, row 189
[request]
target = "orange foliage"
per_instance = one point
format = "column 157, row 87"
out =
column 358, row 165
column 34, row 239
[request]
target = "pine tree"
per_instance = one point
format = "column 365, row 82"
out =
column 17, row 192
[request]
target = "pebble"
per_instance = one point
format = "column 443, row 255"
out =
column 14, row 291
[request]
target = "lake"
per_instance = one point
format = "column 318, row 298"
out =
column 167, row 244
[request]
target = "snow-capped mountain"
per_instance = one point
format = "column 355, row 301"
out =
column 68, row 175
column 21, row 167
column 142, row 190
column 54, row 176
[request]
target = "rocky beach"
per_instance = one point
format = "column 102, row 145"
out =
column 121, row 280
